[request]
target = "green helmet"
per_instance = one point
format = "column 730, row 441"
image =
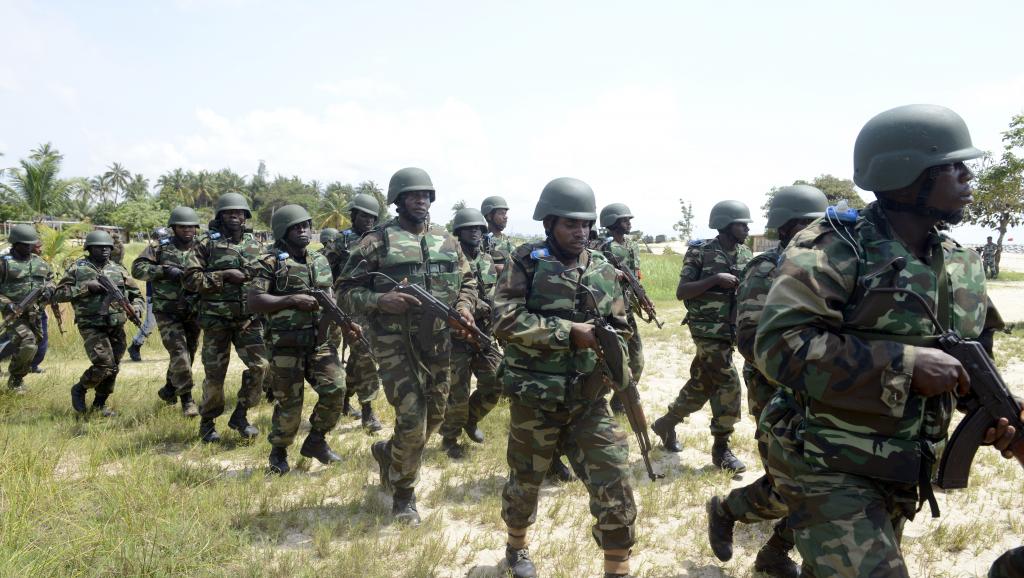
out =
column 468, row 217
column 896, row 146
column 183, row 216
column 725, row 213
column 796, row 202
column 491, row 203
column 408, row 180
column 23, row 234
column 98, row 238
column 614, row 212
column 328, row 235
column 365, row 203
column 230, row 201
column 285, row 217
column 566, row 197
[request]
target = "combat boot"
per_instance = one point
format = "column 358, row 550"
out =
column 403, row 507
column 279, row 461
column 135, row 352
column 773, row 559
column 188, row 406
column 16, row 384
column 240, row 423
column 519, row 563
column 78, row 398
column 316, row 446
column 99, row 403
column 370, row 421
column 208, row 431
column 558, row 472
column 381, row 452
column 665, row 428
column 452, row 447
column 720, row 526
column 722, row 457
column 167, row 394
column 349, row 409
column 472, row 430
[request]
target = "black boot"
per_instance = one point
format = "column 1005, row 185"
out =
column 316, row 446
column 188, row 405
column 240, row 423
column 720, row 525
column 558, row 472
column 16, row 384
column 519, row 563
column 403, row 507
column 134, row 352
column 665, row 428
column 773, row 559
column 381, row 452
column 452, row 447
column 99, row 403
column 167, row 394
column 349, row 409
column 78, row 398
column 472, row 430
column 370, row 421
column 279, row 461
column 722, row 457
column 208, row 431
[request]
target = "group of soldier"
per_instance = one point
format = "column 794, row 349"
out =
column 852, row 398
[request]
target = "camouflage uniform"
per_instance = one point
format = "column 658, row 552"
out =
column 552, row 399
column 117, row 251
column 627, row 255
column 102, row 329
column 466, row 361
column 174, row 308
column 711, row 317
column 413, row 352
column 852, row 447
column 499, row 246
column 225, row 319
column 295, row 353
column 17, row 279
column 989, row 255
column 360, row 370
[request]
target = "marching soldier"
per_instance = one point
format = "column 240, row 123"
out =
column 496, row 242
column 21, row 272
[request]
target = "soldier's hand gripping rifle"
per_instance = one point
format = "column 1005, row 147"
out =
column 20, row 309
column 331, row 314
column 642, row 300
column 115, row 294
column 988, row 400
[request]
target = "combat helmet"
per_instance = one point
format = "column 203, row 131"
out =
column 725, row 213
column 285, row 217
column 232, row 201
column 795, row 202
column 328, row 235
column 98, row 238
column 23, row 234
column 365, row 203
column 614, row 212
column 183, row 216
column 896, row 146
column 409, row 179
column 566, row 197
column 468, row 217
column 491, row 203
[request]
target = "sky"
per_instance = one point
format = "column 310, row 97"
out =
column 648, row 102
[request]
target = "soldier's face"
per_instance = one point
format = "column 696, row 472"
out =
column 417, row 205
column 100, row 253
column 299, row 235
column 571, row 234
column 625, row 224
column 499, row 218
column 185, row 233
column 739, row 231
column 951, row 191
column 233, row 219
column 362, row 222
column 22, row 250
column 471, row 236
column 38, row 247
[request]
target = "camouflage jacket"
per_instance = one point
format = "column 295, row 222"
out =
column 482, row 267
column 117, row 251
column 750, row 297
column 169, row 296
column 500, row 247
column 278, row 273
column 89, row 310
column 341, row 249
column 712, row 315
column 18, row 278
column 392, row 250
column 536, row 301
column 845, row 357
column 214, row 253
column 989, row 252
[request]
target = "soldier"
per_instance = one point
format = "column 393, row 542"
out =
column 22, row 271
column 990, row 258
column 102, row 328
column 413, row 348
column 790, row 211
column 117, row 254
column 162, row 265
column 360, row 370
column 707, row 286
column 465, row 411
column 496, row 242
column 623, row 252
column 219, row 269
column 866, row 397
column 284, row 276
column 545, row 307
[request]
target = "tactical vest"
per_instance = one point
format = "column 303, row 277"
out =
column 89, row 310
column 292, row 328
column 221, row 254
column 712, row 315
column 19, row 278
column 169, row 296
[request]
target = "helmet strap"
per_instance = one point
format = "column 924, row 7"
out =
column 920, row 205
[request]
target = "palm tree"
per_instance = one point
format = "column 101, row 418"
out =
column 334, row 210
column 37, row 181
column 118, row 177
column 101, row 188
column 201, row 188
column 138, row 187
column 175, row 185
column 45, row 150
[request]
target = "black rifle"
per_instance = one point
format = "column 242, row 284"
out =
column 58, row 316
column 644, row 303
column 331, row 314
column 21, row 308
column 115, row 294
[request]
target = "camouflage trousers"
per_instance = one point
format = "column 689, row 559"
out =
column 462, row 407
column 289, row 369
column 217, row 342
column 361, row 373
column 417, row 387
column 105, row 347
column 635, row 348
column 843, row 524
column 1009, row 565
column 712, row 377
column 23, row 347
column 759, row 501
column 595, row 446
column 180, row 336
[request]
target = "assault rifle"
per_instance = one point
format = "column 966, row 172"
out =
column 19, row 310
column 115, row 294
column 988, row 400
column 643, row 302
column 331, row 314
